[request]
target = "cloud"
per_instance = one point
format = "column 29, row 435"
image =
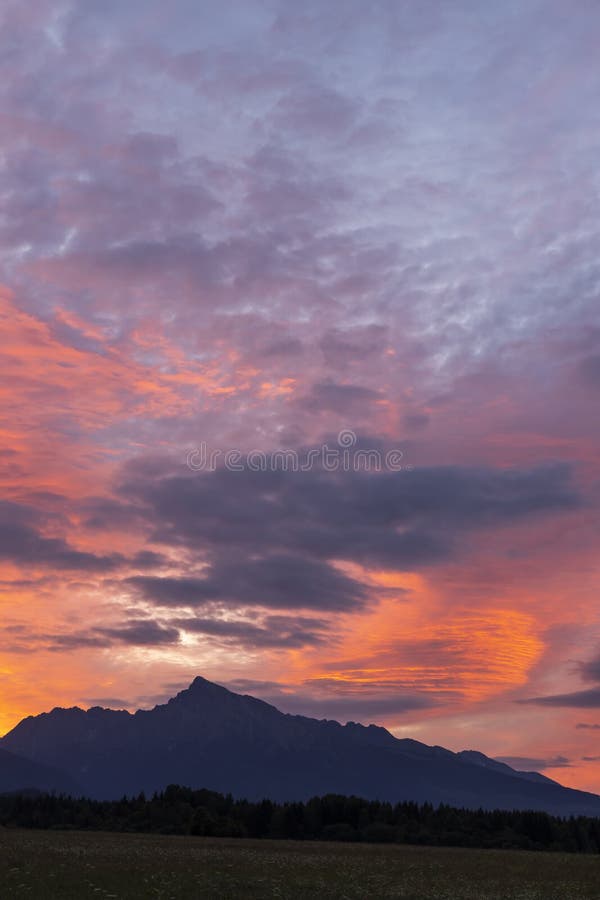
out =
column 590, row 669
column 535, row 764
column 343, row 705
column 271, row 538
column 22, row 543
column 416, row 420
column 345, row 399
column 590, row 370
column 586, row 699
column 285, row 347
column 280, row 581
column 317, row 110
column 389, row 515
column 133, row 632
column 592, row 726
column 589, row 698
column 274, row 631
column 106, row 702
column 107, row 513
column 265, row 632
column 142, row 632
column 344, row 347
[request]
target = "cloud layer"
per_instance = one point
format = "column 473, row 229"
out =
column 260, row 227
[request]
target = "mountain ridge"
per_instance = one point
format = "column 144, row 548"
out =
column 209, row 736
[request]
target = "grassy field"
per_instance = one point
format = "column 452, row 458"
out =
column 76, row 865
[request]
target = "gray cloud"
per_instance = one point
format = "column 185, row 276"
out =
column 106, row 702
column 460, row 496
column 21, row 542
column 133, row 632
column 348, row 510
column 269, row 537
column 278, row 580
column 589, row 698
column 342, row 705
column 590, row 669
column 345, row 399
column 274, row 631
column 416, row 420
column 535, row 764
column 586, row 699
column 590, row 370
column 344, row 347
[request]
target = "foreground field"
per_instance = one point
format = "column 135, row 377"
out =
column 78, row 865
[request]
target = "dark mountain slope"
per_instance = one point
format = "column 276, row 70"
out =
column 18, row 773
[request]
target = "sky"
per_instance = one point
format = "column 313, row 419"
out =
column 300, row 355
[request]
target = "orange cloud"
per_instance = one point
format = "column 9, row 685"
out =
column 411, row 642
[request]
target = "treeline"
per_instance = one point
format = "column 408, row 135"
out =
column 179, row 810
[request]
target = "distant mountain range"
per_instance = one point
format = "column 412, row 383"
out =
column 208, row 736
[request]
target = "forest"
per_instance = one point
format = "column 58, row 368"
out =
column 181, row 810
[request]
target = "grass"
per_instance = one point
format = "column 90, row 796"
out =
column 81, row 865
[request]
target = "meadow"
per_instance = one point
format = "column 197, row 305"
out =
column 80, row 865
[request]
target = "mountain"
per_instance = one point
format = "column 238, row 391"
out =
column 209, row 737
column 20, row 774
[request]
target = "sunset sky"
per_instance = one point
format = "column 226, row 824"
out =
column 269, row 226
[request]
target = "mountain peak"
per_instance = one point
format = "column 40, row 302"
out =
column 201, row 690
column 208, row 736
column 201, row 685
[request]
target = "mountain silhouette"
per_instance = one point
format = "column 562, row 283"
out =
column 18, row 774
column 208, row 736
